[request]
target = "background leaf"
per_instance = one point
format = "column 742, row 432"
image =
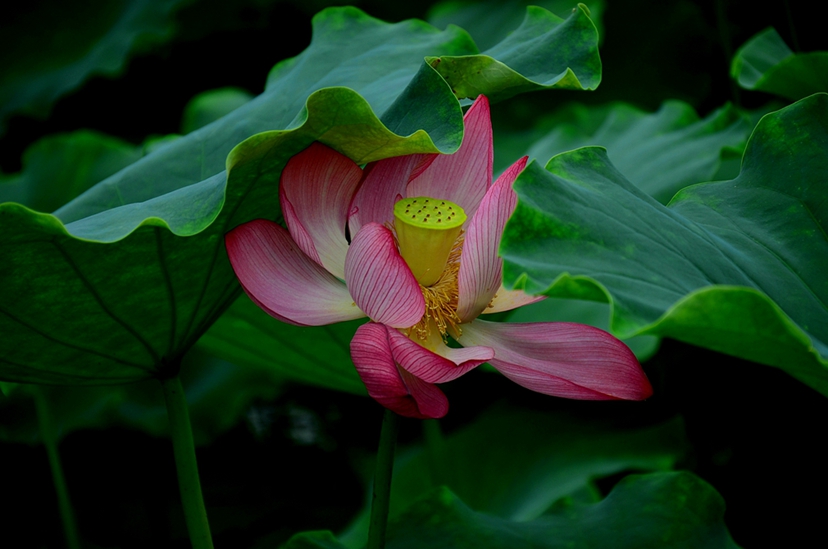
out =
column 532, row 460
column 735, row 266
column 765, row 63
column 51, row 50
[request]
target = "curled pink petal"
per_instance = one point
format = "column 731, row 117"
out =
column 315, row 190
column 383, row 182
column 562, row 359
column 380, row 281
column 389, row 384
column 432, row 367
column 462, row 177
column 481, row 270
column 282, row 280
column 506, row 300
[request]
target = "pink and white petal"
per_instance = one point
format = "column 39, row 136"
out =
column 562, row 359
column 315, row 189
column 380, row 281
column 282, row 280
column 389, row 384
column 481, row 270
column 506, row 300
column 431, row 366
column 462, row 177
column 383, row 182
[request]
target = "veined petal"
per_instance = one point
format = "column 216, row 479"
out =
column 282, row 280
column 562, row 359
column 506, row 300
column 315, row 189
column 389, row 384
column 432, row 367
column 379, row 280
column 383, row 181
column 481, row 270
column 462, row 177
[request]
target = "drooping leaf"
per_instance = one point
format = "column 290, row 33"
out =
column 491, row 21
column 544, row 52
column 765, row 63
column 49, row 51
column 736, row 266
column 313, row 540
column 247, row 336
column 531, row 460
column 660, row 510
column 121, row 281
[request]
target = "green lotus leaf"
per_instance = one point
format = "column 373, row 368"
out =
column 119, row 283
column 531, row 461
column 736, row 266
column 660, row 152
column 664, row 510
column 675, row 510
column 765, row 63
column 544, row 52
column 209, row 106
column 49, row 51
column 491, row 21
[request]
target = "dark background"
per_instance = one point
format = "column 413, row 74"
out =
column 756, row 433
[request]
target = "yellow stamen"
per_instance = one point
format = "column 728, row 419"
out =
column 441, row 302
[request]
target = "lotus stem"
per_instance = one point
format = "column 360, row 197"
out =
column 382, row 480
column 189, row 484
column 49, row 436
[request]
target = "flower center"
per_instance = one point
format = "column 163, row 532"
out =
column 426, row 231
column 430, row 237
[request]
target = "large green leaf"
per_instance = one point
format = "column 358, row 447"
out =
column 736, row 266
column 765, row 63
column 247, row 336
column 121, row 281
column 660, row 510
column 531, row 460
column 49, row 51
column 544, row 52
column 659, row 152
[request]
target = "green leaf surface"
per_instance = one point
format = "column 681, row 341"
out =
column 531, row 460
column 49, row 51
column 736, row 266
column 660, row 510
column 660, row 152
column 313, row 540
column 247, row 336
column 489, row 22
column 765, row 63
column 544, row 52
column 119, row 283
column 59, row 167
column 209, row 106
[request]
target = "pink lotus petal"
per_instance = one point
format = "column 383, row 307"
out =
column 480, row 267
column 462, row 177
column 388, row 384
column 380, row 281
column 282, row 280
column 562, row 359
column 506, row 300
column 430, row 366
column 315, row 190
column 383, row 182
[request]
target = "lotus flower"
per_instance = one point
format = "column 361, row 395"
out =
column 411, row 242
